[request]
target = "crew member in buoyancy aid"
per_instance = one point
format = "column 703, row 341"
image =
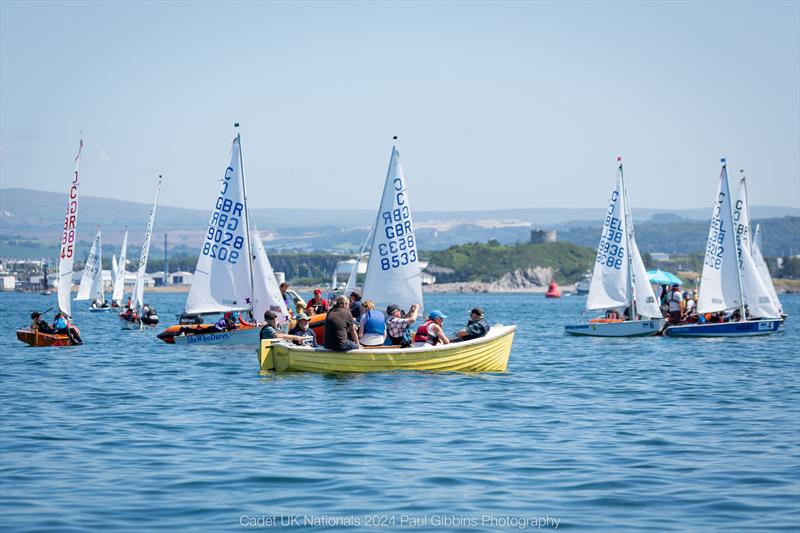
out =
column 476, row 327
column 431, row 333
column 63, row 326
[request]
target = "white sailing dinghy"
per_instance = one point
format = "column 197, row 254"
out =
column 761, row 265
column 352, row 279
column 730, row 282
column 118, row 293
column 393, row 277
column 140, row 317
column 619, row 280
column 65, row 264
column 91, row 287
column 229, row 277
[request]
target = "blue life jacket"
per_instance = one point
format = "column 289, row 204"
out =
column 375, row 322
column 61, row 323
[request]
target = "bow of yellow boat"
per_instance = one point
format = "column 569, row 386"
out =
column 486, row 354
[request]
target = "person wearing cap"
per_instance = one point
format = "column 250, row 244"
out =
column 476, row 327
column 317, row 305
column 397, row 323
column 675, row 304
column 340, row 327
column 38, row 324
column 431, row 333
column 271, row 331
column 302, row 330
column 371, row 325
column 356, row 307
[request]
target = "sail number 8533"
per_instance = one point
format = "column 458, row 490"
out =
column 397, row 252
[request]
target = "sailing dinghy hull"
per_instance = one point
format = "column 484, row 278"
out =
column 629, row 328
column 100, row 309
column 745, row 328
column 36, row 338
column 486, row 354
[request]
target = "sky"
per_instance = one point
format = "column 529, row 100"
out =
column 496, row 104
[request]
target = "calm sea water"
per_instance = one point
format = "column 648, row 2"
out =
column 129, row 433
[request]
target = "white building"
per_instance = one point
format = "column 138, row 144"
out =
column 180, row 278
column 7, row 282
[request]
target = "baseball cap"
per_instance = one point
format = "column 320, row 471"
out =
column 437, row 314
column 392, row 308
column 269, row 315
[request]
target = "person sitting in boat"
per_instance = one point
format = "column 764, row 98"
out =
column 675, row 305
column 398, row 324
column 63, row 326
column 689, row 308
column 271, row 331
column 664, row 300
column 613, row 314
column 431, row 333
column 302, row 330
column 38, row 323
column 98, row 304
column 371, row 325
column 317, row 305
column 356, row 307
column 477, row 327
column 340, row 327
column 129, row 314
column 287, row 298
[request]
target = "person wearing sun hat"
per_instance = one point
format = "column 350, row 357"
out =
column 431, row 333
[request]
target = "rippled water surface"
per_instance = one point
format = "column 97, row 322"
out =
column 129, row 433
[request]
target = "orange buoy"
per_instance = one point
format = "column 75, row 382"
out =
column 552, row 290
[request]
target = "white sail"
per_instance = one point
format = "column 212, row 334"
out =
column 352, row 279
column 92, row 277
column 719, row 283
column 114, row 269
column 67, row 254
column 761, row 265
column 119, row 280
column 393, row 273
column 138, row 288
column 757, row 297
column 266, row 291
column 646, row 302
column 609, row 286
column 222, row 279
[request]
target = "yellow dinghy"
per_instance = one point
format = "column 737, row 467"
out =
column 486, row 354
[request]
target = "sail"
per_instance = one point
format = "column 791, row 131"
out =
column 609, row 285
column 266, row 291
column 114, row 269
column 646, row 302
column 719, row 283
column 67, row 253
column 119, row 280
column 393, row 273
column 757, row 297
column 138, row 288
column 222, row 279
column 761, row 265
column 352, row 279
column 92, row 273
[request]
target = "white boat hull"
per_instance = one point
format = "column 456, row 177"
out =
column 629, row 328
column 244, row 336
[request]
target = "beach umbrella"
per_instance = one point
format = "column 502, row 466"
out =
column 661, row 277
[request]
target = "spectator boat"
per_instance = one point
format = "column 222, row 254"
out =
column 619, row 279
column 66, row 260
column 731, row 281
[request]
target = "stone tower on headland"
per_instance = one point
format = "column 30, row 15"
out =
column 541, row 236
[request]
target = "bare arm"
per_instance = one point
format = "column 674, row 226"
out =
column 440, row 334
column 353, row 333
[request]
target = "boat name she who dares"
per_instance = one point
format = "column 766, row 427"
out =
column 68, row 237
column 399, row 248
column 221, row 243
column 715, row 247
column 610, row 252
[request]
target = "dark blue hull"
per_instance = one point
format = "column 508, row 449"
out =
column 746, row 328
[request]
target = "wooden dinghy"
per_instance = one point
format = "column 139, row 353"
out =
column 37, row 338
column 487, row 354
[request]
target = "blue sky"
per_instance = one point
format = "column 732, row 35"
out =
column 518, row 104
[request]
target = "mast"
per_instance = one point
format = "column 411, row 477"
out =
column 166, row 263
column 743, row 183
column 626, row 210
column 736, row 241
column 246, row 218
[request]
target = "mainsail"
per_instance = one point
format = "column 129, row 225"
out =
column 266, row 292
column 114, row 270
column 756, row 294
column 138, row 288
column 67, row 254
column 91, row 287
column 393, row 273
column 720, row 285
column 352, row 279
column 223, row 277
column 609, row 286
column 119, row 279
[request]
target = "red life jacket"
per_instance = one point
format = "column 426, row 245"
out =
column 423, row 336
